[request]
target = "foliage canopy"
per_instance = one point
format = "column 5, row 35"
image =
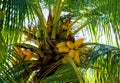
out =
column 39, row 59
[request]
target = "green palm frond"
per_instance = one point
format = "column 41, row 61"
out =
column 15, row 14
column 64, row 74
column 104, row 64
column 11, row 72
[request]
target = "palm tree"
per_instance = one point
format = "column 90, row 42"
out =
column 36, row 49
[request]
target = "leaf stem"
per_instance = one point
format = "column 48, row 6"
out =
column 76, row 70
column 56, row 16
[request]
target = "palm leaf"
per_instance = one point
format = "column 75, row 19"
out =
column 64, row 74
column 104, row 63
column 11, row 72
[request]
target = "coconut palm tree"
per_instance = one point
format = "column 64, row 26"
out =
column 77, row 42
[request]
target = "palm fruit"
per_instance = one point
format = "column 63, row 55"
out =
column 63, row 50
column 61, row 44
column 19, row 51
column 76, row 56
column 78, row 42
column 25, row 54
column 28, row 55
column 71, row 53
column 70, row 44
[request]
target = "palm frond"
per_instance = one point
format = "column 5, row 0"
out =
column 12, row 72
column 64, row 74
column 104, row 64
column 14, row 20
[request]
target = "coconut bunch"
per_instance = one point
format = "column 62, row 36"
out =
column 71, row 49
